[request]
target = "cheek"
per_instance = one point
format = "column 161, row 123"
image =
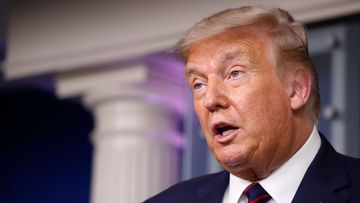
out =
column 260, row 105
column 202, row 115
column 199, row 110
column 248, row 103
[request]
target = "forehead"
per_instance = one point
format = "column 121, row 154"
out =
column 237, row 42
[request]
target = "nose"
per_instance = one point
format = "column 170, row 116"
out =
column 216, row 96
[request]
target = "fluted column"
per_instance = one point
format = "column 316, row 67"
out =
column 136, row 138
column 135, row 150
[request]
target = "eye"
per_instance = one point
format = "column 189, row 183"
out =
column 235, row 74
column 197, row 86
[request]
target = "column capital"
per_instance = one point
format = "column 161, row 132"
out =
column 156, row 84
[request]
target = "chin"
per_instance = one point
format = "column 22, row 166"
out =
column 232, row 160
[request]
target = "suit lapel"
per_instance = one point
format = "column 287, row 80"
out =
column 325, row 180
column 213, row 191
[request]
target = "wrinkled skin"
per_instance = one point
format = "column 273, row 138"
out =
column 234, row 83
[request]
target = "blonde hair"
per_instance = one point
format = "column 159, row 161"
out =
column 287, row 36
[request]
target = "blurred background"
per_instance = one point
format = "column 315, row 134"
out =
column 94, row 107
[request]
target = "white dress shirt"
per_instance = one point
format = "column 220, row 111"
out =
column 283, row 182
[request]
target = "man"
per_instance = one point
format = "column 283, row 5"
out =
column 256, row 96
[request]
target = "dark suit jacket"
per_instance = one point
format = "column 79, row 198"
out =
column 330, row 178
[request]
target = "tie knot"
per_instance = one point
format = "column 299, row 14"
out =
column 256, row 194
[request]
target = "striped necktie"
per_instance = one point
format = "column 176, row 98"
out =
column 256, row 194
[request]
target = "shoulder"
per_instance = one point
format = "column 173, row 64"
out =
column 187, row 191
column 352, row 168
column 336, row 160
column 344, row 167
column 333, row 160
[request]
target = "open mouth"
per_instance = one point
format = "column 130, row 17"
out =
column 224, row 129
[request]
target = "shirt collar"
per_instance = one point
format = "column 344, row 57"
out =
column 282, row 183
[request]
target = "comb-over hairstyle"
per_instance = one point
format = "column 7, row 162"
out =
column 286, row 35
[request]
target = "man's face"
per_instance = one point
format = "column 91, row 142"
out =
column 243, row 107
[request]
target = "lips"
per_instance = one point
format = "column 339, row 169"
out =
column 223, row 129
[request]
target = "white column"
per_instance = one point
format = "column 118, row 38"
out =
column 136, row 138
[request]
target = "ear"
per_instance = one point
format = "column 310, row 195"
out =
column 300, row 88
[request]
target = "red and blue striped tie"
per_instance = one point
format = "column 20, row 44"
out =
column 256, row 194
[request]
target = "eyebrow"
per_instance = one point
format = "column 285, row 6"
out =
column 228, row 55
column 190, row 69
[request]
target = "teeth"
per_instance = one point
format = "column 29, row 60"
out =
column 227, row 132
